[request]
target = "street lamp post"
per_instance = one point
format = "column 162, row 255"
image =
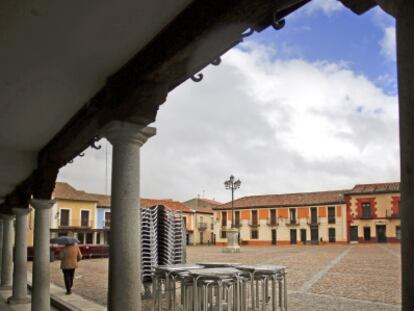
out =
column 232, row 185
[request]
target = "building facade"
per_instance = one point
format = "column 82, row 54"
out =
column 374, row 213
column 367, row 213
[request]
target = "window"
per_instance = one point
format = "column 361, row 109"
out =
column 272, row 216
column 98, row 238
column 224, row 219
column 237, row 218
column 85, row 218
column 331, row 214
column 292, row 213
column 223, row 234
column 366, row 210
column 254, row 234
column 64, row 217
column 254, row 218
column 108, row 219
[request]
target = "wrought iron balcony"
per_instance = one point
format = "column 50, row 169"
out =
column 314, row 221
column 393, row 216
column 331, row 220
column 292, row 222
column 272, row 222
column 254, row 223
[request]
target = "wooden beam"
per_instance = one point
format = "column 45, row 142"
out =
column 198, row 35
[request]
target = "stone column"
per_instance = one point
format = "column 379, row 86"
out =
column 41, row 270
column 124, row 273
column 7, row 254
column 1, row 243
column 20, row 258
column 405, row 62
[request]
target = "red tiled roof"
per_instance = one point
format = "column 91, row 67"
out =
column 376, row 188
column 65, row 191
column 289, row 199
column 102, row 199
column 210, row 201
column 205, row 210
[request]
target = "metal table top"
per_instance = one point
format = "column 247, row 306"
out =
column 262, row 268
column 219, row 264
column 215, row 272
column 178, row 267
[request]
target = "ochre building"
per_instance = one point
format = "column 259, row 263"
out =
column 366, row 213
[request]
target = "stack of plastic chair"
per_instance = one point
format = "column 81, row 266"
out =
column 166, row 236
column 149, row 245
column 179, row 255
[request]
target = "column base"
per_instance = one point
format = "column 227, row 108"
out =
column 16, row 301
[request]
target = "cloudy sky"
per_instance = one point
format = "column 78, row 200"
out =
column 311, row 107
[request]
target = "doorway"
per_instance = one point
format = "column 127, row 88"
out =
column 367, row 233
column 293, row 236
column 274, row 237
column 314, row 235
column 353, row 230
column 381, row 233
column 303, row 236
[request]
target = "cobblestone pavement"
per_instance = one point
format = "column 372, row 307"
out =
column 326, row 278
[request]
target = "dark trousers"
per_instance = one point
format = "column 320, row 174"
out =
column 68, row 275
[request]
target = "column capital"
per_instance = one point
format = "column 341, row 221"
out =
column 7, row 216
column 41, row 204
column 20, row 211
column 118, row 131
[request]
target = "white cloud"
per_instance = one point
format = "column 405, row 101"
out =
column 326, row 6
column 279, row 126
column 388, row 43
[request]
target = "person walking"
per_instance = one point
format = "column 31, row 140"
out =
column 70, row 256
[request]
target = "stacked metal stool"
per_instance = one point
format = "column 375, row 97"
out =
column 220, row 286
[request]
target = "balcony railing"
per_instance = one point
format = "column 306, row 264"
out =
column 272, row 222
column 237, row 225
column 254, row 223
column 292, row 222
column 107, row 223
column 393, row 216
column 366, row 217
column 314, row 221
column 202, row 226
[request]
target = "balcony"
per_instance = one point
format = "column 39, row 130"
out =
column 393, row 216
column 366, row 217
column 314, row 221
column 292, row 222
column 331, row 220
column 237, row 225
column 272, row 222
column 254, row 223
column 202, row 226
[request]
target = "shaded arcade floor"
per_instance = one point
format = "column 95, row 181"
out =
column 329, row 277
